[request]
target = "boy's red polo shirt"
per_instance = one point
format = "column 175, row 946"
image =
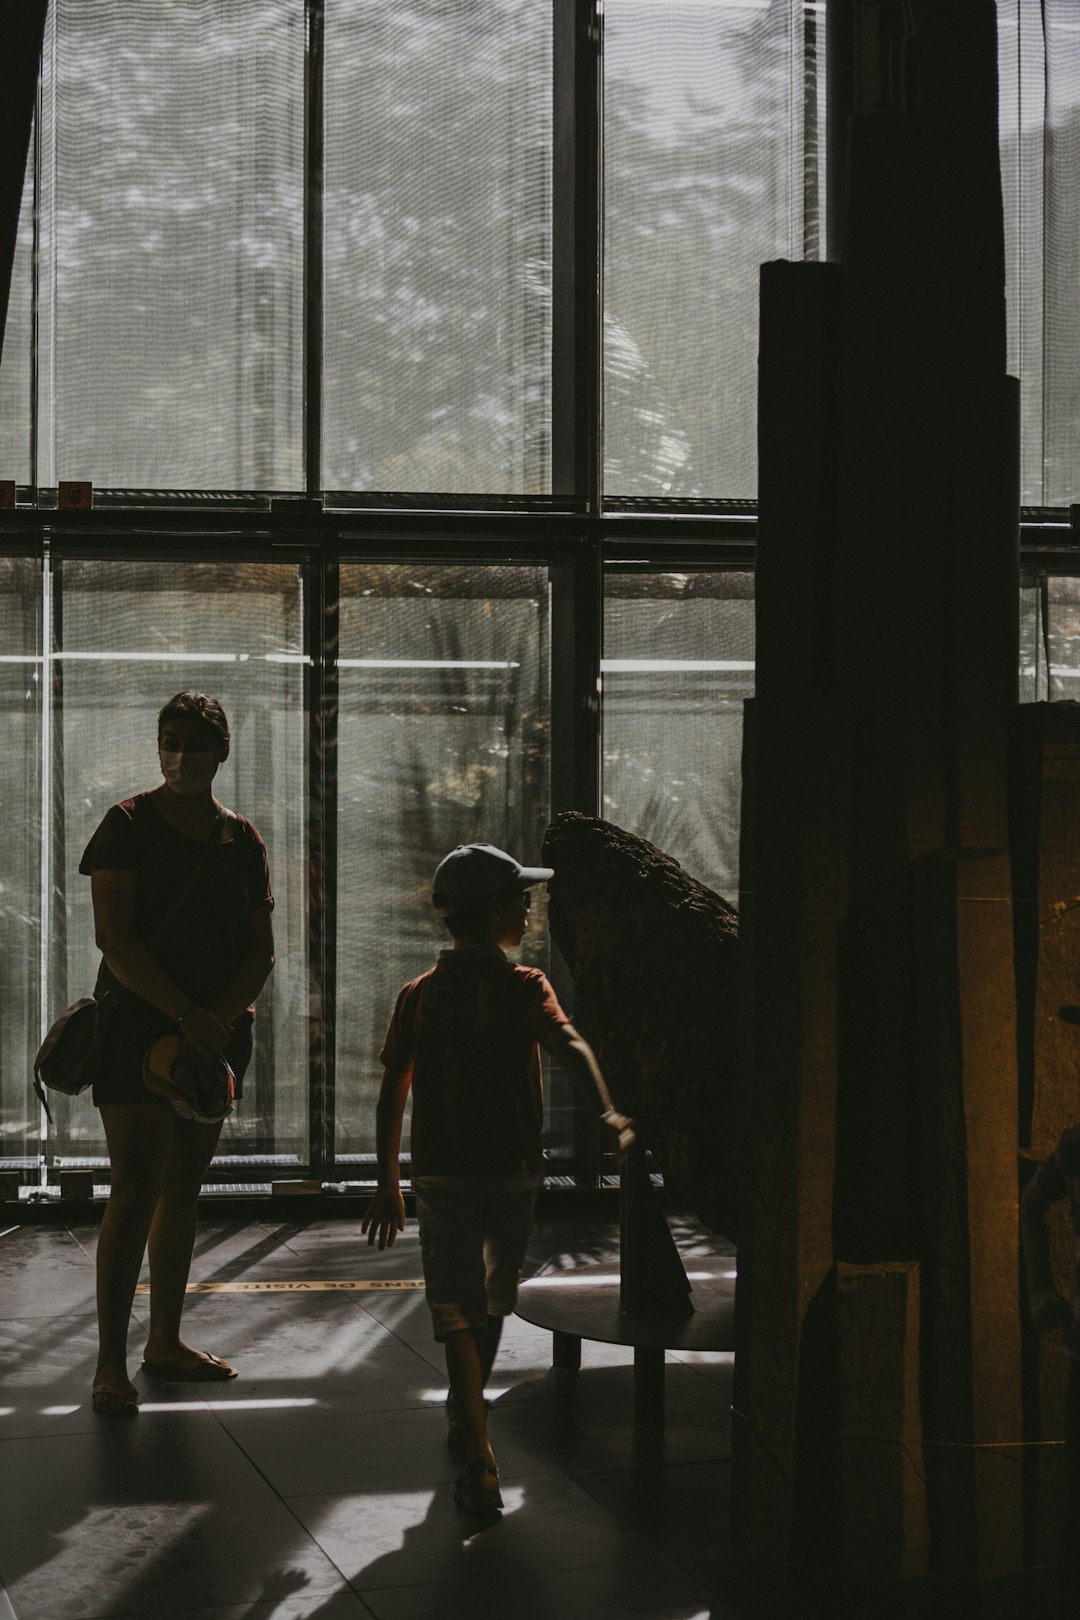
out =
column 470, row 1028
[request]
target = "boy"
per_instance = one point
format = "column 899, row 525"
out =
column 464, row 1037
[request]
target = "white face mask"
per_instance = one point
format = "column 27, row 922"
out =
column 188, row 774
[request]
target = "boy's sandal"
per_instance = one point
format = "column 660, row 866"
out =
column 109, row 1401
column 477, row 1489
column 211, row 1371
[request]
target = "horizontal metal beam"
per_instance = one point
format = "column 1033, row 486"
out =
column 633, row 538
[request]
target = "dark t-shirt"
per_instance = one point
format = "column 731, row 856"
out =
column 470, row 1027
column 1058, row 1178
column 203, row 946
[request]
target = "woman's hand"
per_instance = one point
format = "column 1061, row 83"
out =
column 205, row 1031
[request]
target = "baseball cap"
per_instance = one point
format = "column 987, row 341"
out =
column 198, row 1088
column 472, row 873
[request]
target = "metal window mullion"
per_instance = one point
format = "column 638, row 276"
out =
column 314, row 61
column 577, row 291
column 322, row 577
column 45, row 839
column 576, row 632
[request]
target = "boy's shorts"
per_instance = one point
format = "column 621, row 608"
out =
column 474, row 1231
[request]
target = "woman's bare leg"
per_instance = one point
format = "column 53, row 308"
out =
column 138, row 1137
column 172, row 1238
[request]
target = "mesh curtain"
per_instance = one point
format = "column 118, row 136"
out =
column 171, row 255
column 713, row 163
column 443, row 739
column 1039, row 75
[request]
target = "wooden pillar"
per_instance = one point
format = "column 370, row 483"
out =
column 881, row 1127
column 792, row 882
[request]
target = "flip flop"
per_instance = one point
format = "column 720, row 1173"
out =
column 109, row 1401
column 211, row 1371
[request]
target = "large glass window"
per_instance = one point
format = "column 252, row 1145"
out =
column 1039, row 113
column 443, row 739
column 175, row 306
column 15, row 367
column 1050, row 639
column 678, row 663
column 438, row 246
column 212, row 292
column 713, row 163
column 126, row 636
column 171, row 266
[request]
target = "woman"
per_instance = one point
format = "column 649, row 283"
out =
column 182, row 907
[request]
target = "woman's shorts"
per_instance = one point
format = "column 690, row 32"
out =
column 135, row 1025
column 473, row 1235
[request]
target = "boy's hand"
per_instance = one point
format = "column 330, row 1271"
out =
column 385, row 1217
column 1048, row 1310
column 625, row 1127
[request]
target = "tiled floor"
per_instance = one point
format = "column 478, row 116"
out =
column 319, row 1482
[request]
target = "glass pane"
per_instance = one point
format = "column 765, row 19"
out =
column 713, row 163
column 438, row 246
column 443, row 740
column 20, row 852
column 678, row 663
column 15, row 361
column 1033, row 674
column 1039, row 120
column 172, row 247
column 128, row 635
column 1063, row 639
column 1021, row 108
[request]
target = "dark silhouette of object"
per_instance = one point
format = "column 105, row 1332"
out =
column 649, row 1303
column 653, row 954
column 652, row 1278
column 878, row 1155
column 1048, row 1310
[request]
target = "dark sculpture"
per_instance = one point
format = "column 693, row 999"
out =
column 653, row 954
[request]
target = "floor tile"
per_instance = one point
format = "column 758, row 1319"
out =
column 37, row 1353
column 45, row 1272
column 326, row 1461
column 409, row 1538
column 324, row 1345
column 338, row 1249
column 302, row 1605
column 141, row 1515
column 684, row 1509
column 606, row 1592
column 46, row 1371
column 328, row 1453
column 585, row 1420
column 157, row 1558
column 125, row 1462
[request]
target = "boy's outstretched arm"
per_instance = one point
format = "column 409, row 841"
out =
column 577, row 1057
column 1046, row 1306
column 385, row 1216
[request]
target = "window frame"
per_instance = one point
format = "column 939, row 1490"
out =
column 576, row 532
